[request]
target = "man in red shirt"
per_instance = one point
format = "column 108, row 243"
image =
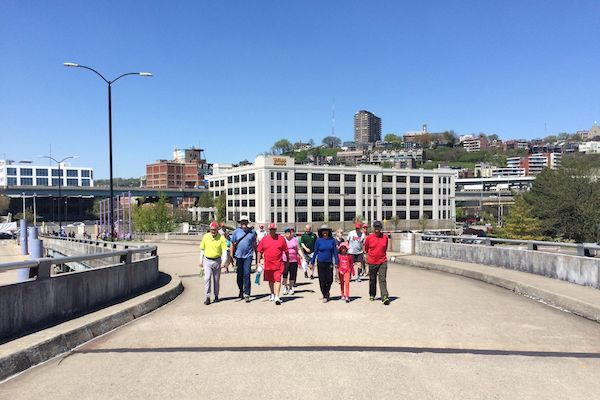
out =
column 272, row 247
column 376, row 245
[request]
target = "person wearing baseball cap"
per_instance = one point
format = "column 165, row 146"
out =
column 376, row 245
column 213, row 255
column 356, row 240
column 272, row 248
column 243, row 246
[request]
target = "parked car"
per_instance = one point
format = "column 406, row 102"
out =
column 6, row 235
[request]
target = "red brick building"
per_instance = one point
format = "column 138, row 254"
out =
column 187, row 170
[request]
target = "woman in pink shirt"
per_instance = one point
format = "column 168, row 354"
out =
column 290, row 271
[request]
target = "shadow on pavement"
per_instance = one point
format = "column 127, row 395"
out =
column 292, row 298
column 304, row 291
column 371, row 349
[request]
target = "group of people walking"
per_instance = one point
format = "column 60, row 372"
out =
column 278, row 257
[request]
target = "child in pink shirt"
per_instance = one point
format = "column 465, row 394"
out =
column 345, row 270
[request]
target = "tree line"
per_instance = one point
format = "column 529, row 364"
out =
column 563, row 204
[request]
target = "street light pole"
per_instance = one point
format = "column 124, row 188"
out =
column 110, row 156
column 59, row 185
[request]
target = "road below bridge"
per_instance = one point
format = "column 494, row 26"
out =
column 443, row 337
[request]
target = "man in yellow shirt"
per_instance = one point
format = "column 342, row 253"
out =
column 213, row 256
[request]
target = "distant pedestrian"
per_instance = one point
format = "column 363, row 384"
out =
column 339, row 236
column 307, row 246
column 213, row 255
column 229, row 260
column 260, row 233
column 345, row 270
column 356, row 240
column 290, row 270
column 272, row 247
column 365, row 265
column 376, row 245
column 243, row 246
column 325, row 254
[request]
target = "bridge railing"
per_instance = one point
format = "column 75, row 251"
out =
column 582, row 249
column 49, row 297
column 43, row 266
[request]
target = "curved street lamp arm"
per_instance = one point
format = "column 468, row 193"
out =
column 96, row 72
column 51, row 158
column 120, row 76
column 56, row 161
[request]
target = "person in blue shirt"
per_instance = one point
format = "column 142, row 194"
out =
column 243, row 246
column 326, row 256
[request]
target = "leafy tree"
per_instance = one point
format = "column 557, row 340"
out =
column 4, row 204
column 282, row 146
column 206, row 200
column 460, row 214
column 563, row 136
column 521, row 223
column 395, row 221
column 423, row 222
column 220, row 205
column 181, row 214
column 154, row 217
column 387, row 164
column 118, row 182
column 332, row 142
column 567, row 201
column 392, row 138
column 28, row 215
column 493, row 137
column 162, row 220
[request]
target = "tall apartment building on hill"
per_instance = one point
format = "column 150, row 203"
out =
column 367, row 127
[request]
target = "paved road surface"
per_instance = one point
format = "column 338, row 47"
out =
column 443, row 337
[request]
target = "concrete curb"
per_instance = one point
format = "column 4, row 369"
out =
column 575, row 306
column 35, row 354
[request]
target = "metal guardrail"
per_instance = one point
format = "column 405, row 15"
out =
column 44, row 265
column 583, row 249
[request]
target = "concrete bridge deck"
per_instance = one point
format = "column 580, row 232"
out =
column 443, row 337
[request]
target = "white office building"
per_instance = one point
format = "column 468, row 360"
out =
column 589, row 147
column 27, row 174
column 274, row 189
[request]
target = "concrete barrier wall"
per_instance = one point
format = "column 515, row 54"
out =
column 31, row 305
column 575, row 269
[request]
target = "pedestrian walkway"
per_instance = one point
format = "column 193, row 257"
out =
column 442, row 337
column 582, row 300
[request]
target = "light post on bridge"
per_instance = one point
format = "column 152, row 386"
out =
column 59, row 185
column 109, row 83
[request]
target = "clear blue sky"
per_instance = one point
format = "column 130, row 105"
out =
column 234, row 76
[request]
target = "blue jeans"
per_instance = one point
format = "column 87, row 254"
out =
column 243, row 274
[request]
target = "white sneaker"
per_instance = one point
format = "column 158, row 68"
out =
column 277, row 301
column 291, row 292
column 285, row 290
column 272, row 297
